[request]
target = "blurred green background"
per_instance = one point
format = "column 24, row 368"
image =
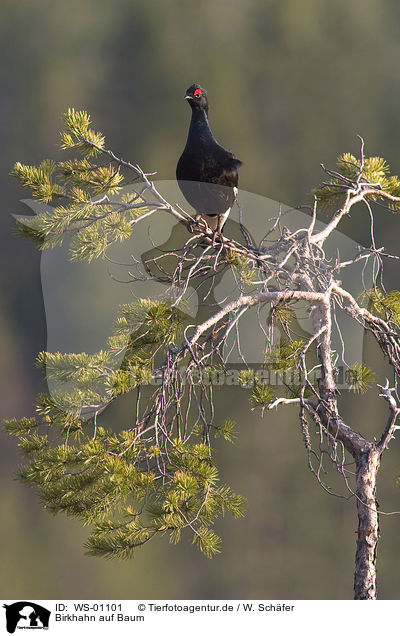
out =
column 290, row 85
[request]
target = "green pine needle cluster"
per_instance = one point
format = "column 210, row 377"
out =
column 247, row 378
column 122, row 381
column 39, row 180
column 359, row 377
column 285, row 356
column 110, row 482
column 241, row 266
column 144, row 328
column 261, row 393
column 80, row 190
column 77, row 134
column 387, row 304
column 283, row 313
column 227, row 430
column 374, row 171
column 80, row 368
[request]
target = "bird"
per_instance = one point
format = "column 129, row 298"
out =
column 207, row 173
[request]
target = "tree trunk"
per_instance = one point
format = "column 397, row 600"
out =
column 367, row 464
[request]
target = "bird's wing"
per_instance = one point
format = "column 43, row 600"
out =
column 207, row 179
column 222, row 168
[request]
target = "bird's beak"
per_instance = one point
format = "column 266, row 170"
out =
column 188, row 97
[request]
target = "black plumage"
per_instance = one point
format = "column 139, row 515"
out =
column 207, row 173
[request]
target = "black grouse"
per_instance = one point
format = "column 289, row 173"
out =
column 206, row 172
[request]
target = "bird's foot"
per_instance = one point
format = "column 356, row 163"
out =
column 194, row 225
column 217, row 237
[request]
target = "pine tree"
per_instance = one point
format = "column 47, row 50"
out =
column 158, row 474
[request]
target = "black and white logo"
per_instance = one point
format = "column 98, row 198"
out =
column 26, row 615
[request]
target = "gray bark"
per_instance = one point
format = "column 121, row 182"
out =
column 367, row 458
column 367, row 465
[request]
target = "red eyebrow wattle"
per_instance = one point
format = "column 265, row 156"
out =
column 197, row 91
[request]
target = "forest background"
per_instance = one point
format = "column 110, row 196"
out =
column 290, row 86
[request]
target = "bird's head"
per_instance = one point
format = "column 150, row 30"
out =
column 197, row 97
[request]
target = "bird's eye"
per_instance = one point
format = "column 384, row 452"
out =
column 197, row 92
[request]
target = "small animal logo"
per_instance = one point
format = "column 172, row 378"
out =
column 26, row 615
